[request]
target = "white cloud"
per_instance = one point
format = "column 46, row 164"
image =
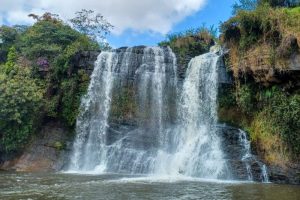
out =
column 140, row 15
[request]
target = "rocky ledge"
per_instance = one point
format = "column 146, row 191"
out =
column 233, row 144
column 47, row 152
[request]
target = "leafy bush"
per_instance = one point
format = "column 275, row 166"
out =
column 9, row 36
column 226, row 97
column 264, row 133
column 285, row 111
column 73, row 89
column 190, row 43
column 245, row 99
column 271, row 116
column 51, row 45
column 11, row 60
column 37, row 77
column 21, row 100
column 261, row 40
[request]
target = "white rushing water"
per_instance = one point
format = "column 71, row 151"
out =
column 173, row 128
column 92, row 152
column 196, row 150
column 247, row 158
column 247, row 153
column 89, row 151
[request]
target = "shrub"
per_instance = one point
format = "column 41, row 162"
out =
column 20, row 104
column 190, row 43
column 262, row 40
column 245, row 98
column 270, row 114
column 59, row 145
column 52, row 45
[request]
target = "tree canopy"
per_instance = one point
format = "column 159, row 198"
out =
column 37, row 80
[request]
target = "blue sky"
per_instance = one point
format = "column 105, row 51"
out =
column 137, row 22
column 214, row 12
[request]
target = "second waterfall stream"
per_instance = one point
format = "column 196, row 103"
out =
column 139, row 117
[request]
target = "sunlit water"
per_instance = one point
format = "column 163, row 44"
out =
column 71, row 186
column 175, row 123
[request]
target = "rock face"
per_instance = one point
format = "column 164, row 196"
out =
column 234, row 150
column 225, row 77
column 285, row 175
column 84, row 60
column 47, row 152
column 243, row 163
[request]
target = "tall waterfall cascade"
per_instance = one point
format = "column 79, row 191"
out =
column 138, row 118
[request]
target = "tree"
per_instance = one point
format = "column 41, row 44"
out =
column 20, row 103
column 47, row 16
column 282, row 3
column 11, row 60
column 244, row 5
column 91, row 24
column 8, row 37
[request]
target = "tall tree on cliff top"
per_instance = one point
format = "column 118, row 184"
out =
column 244, row 5
column 92, row 24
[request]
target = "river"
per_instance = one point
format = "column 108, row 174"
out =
column 19, row 186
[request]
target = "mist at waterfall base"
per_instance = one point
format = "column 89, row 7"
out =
column 173, row 131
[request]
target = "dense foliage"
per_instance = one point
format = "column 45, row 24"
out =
column 37, row 77
column 21, row 99
column 190, row 43
column 263, row 37
column 270, row 114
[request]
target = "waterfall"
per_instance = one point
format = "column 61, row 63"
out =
column 195, row 148
column 138, row 118
column 247, row 158
column 89, row 151
column 129, row 152
column 247, row 153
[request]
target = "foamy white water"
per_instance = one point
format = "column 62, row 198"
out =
column 174, row 130
column 196, row 149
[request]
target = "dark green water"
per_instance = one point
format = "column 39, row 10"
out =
column 69, row 186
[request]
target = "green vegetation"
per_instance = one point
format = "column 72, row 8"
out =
column 251, row 5
column 123, row 105
column 59, row 145
column 37, row 77
column 191, row 43
column 270, row 115
column 262, row 37
column 21, row 99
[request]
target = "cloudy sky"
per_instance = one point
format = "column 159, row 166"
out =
column 136, row 21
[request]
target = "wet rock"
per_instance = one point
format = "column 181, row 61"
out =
column 239, row 158
column 47, row 152
column 285, row 175
column 234, row 152
column 84, row 60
